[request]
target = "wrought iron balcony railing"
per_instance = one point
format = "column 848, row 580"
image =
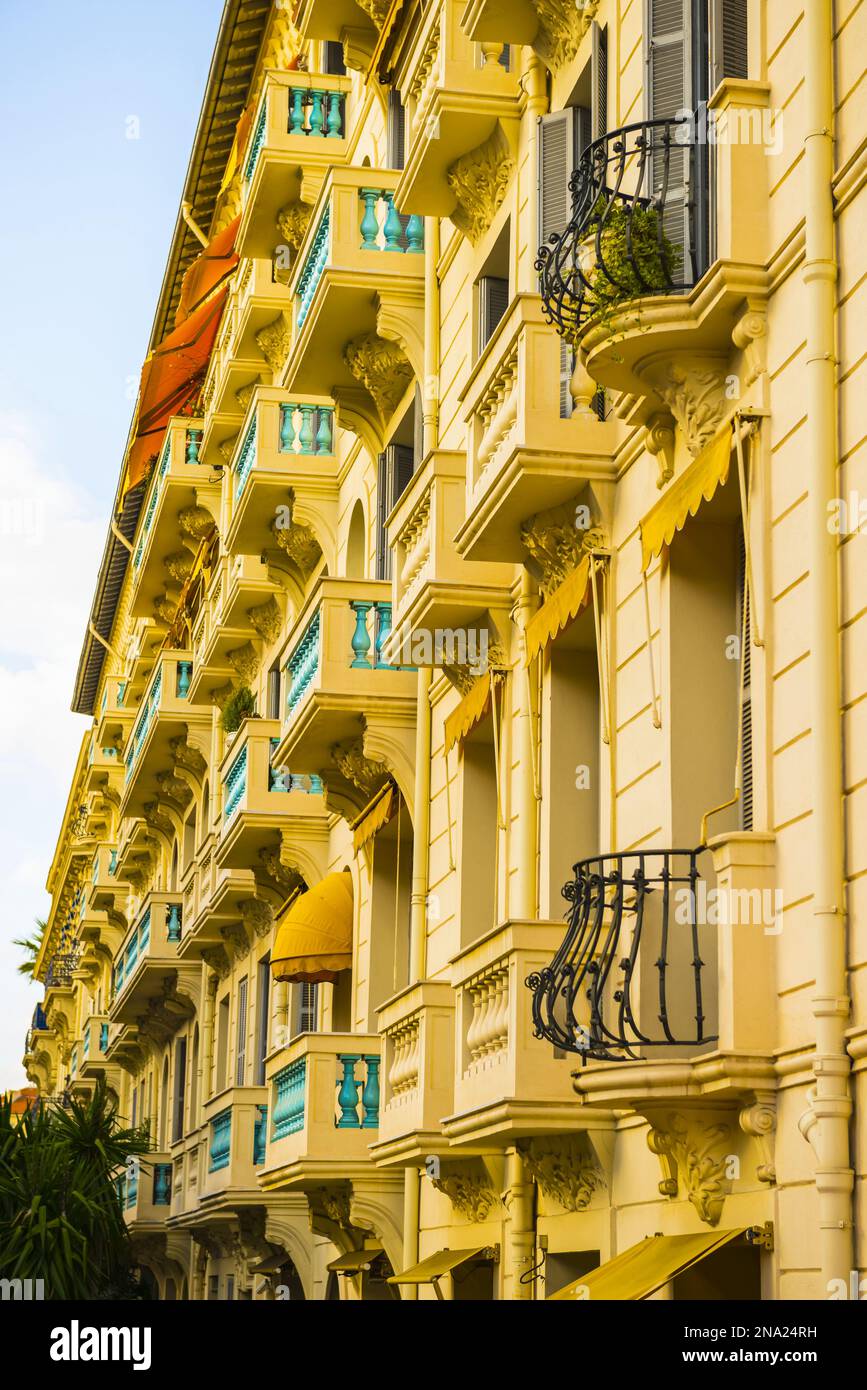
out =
column 60, row 969
column 629, row 974
column 639, row 199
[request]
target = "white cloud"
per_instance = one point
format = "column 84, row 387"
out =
column 50, row 548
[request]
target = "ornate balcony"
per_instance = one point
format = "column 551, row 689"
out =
column 507, row 1082
column 147, row 978
column 243, row 609
column 522, row 457
column 358, row 291
column 300, row 130
column 284, row 479
column 144, row 1192
column 180, row 509
column 115, row 714
column 235, row 1134
column 355, row 25
column 654, row 296
column 263, row 800
column 461, row 101
column 104, row 766
column 418, row 1042
column 164, row 737
column 323, row 1108
column 553, row 29
column 94, row 1042
column 436, row 594
column 338, row 683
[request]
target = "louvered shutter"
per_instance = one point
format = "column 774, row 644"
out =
column 599, row 80
column 555, row 154
column 395, row 132
column 332, row 58
column 728, row 40
column 668, row 93
column 400, row 469
column 493, row 303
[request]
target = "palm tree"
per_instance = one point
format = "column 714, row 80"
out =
column 60, row 1217
column 31, row 945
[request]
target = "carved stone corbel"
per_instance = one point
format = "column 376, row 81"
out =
column 759, row 1120
column 564, row 1169
column 468, row 1187
column 750, row 336
column 695, row 1151
column 275, row 340
column 381, row 368
column 659, row 441
column 693, row 388
column 479, row 181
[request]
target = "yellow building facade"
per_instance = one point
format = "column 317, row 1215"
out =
column 509, row 537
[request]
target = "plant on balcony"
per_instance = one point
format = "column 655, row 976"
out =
column 60, row 1220
column 626, row 259
column 240, row 705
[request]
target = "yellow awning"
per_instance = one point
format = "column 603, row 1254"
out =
column 435, row 1266
column 561, row 609
column 697, row 484
column 472, row 708
column 646, row 1267
column 354, row 1260
column 314, row 937
column 377, row 813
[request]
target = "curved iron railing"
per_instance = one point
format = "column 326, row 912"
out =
column 631, row 954
column 61, row 967
column 638, row 214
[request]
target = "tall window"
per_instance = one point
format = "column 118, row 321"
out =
column 305, row 1008
column 241, row 1036
column 222, row 1043
column 180, row 1089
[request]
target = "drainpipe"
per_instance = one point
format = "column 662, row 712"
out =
column 534, row 84
column 826, row 1123
column 420, row 830
column 522, row 1233
column 431, row 383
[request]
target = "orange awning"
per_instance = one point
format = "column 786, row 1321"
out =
column 314, row 937
column 208, row 271
column 171, row 379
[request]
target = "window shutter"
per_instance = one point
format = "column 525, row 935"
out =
column 668, row 93
column 493, row 303
column 401, row 463
column 729, row 40
column 555, row 161
column 333, row 58
column 306, row 1008
column 599, row 80
column 241, row 1050
column 395, row 132
column 395, row 469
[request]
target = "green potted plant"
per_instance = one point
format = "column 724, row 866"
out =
column 630, row 261
column 240, row 705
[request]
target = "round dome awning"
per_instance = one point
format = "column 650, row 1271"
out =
column 314, row 937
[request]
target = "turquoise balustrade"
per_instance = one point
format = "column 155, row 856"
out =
column 151, row 704
column 103, row 1037
column 162, row 469
column 303, row 663
column 288, row 1112
column 365, row 643
column 85, row 1046
column 184, row 677
column 387, row 230
column 246, row 458
column 144, row 931
column 173, row 923
column 257, row 142
column 314, row 265
column 162, row 1184
column 112, row 863
column 95, row 874
column 281, row 780
column 355, row 1113
column 73, row 1061
column 260, row 1135
column 235, row 784
column 316, row 113
column 132, row 1187
column 306, row 429
column 193, row 443
column 221, row 1141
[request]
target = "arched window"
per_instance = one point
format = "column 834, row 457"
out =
column 356, row 548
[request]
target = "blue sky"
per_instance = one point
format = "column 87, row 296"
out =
column 83, row 243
